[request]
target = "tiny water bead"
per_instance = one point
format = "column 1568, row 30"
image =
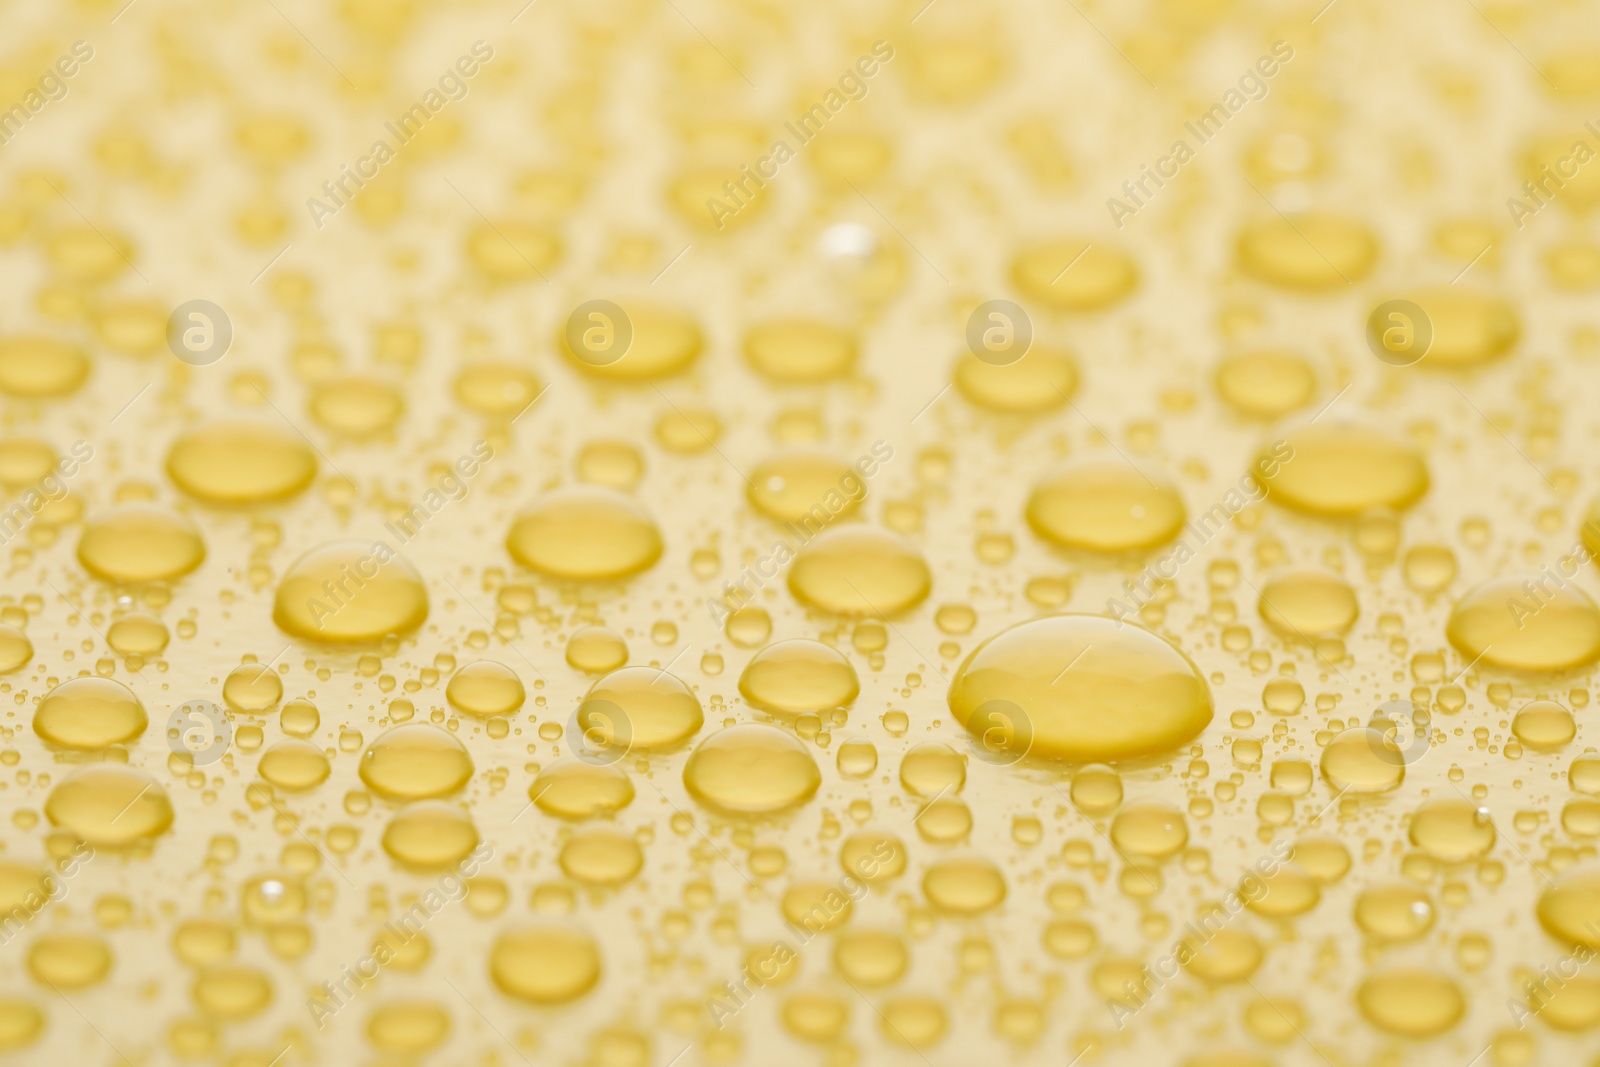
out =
column 799, row 675
column 415, row 761
column 485, row 688
column 109, row 804
column 1514, row 622
column 1092, row 689
column 857, row 569
column 241, row 461
column 347, row 592
column 140, row 542
column 1340, row 469
column 90, row 713
column 797, row 485
column 1105, row 506
column 544, row 963
column 751, row 769
column 585, row 533
column 657, row 710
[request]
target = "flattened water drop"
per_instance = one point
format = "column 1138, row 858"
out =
column 601, row 856
column 1311, row 252
column 665, row 342
column 573, row 789
column 799, row 350
column 1105, row 506
column 857, row 569
column 415, row 761
column 1341, row 469
column 1308, row 603
column 1363, row 760
column 294, row 765
column 585, row 533
column 1042, row 380
column 485, row 687
column 430, row 834
column 596, row 649
column 964, row 884
column 41, row 367
column 140, row 542
column 1265, row 383
column 545, row 963
column 796, row 485
column 1411, row 1001
column 1452, row 829
column 751, row 769
column 1074, row 274
column 89, row 713
column 1500, row 623
column 658, row 709
column 15, row 649
column 1470, row 327
column 1091, row 689
column 799, row 675
column 241, row 461
column 109, row 804
column 69, row 961
column 357, row 406
column 348, row 592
